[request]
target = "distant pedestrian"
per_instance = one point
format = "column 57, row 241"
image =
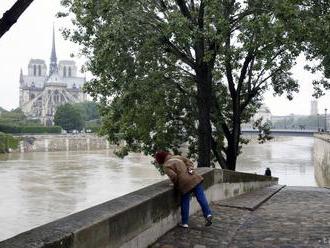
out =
column 181, row 172
column 268, row 172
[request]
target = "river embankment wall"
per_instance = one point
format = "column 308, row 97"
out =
column 85, row 142
column 137, row 219
column 65, row 142
column 321, row 157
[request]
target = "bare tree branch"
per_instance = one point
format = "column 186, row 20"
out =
column 11, row 16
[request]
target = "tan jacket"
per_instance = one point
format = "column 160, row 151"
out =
column 177, row 170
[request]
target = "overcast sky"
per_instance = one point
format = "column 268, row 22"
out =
column 31, row 37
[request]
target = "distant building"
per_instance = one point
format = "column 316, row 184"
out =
column 314, row 107
column 41, row 92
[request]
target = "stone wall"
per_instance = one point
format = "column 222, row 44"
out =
column 134, row 220
column 69, row 142
column 322, row 159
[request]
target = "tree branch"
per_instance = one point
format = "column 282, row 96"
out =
column 178, row 86
column 268, row 62
column 184, row 9
column 248, row 59
column 171, row 48
column 162, row 4
column 11, row 16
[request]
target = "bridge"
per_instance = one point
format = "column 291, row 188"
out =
column 283, row 132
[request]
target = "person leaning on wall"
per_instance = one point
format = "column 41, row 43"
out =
column 181, row 172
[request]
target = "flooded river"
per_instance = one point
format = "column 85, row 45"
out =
column 36, row 188
column 290, row 159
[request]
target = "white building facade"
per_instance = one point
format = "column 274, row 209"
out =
column 41, row 92
column 314, row 107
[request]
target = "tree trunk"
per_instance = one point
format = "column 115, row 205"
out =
column 204, row 90
column 233, row 142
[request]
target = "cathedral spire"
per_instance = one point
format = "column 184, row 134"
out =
column 21, row 79
column 53, row 59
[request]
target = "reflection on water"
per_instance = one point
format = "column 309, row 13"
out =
column 291, row 160
column 36, row 188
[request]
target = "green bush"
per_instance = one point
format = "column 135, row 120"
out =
column 7, row 142
column 29, row 129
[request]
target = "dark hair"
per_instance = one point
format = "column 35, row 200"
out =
column 160, row 156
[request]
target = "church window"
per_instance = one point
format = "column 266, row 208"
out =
column 34, row 70
column 74, row 86
column 70, row 72
column 64, row 71
column 33, row 85
column 56, row 97
column 39, row 70
column 32, row 96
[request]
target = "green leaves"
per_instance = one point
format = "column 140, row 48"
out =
column 68, row 117
column 157, row 63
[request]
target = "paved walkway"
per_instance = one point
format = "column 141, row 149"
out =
column 272, row 217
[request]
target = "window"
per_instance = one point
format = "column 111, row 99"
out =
column 56, row 96
column 34, row 70
column 64, row 71
column 39, row 70
column 70, row 72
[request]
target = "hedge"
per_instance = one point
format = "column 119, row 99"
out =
column 29, row 129
column 7, row 142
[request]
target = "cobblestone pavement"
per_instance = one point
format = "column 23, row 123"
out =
column 293, row 217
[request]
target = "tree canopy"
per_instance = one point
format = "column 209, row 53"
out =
column 172, row 72
column 88, row 110
column 69, row 118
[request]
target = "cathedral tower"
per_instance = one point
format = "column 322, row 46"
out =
column 41, row 94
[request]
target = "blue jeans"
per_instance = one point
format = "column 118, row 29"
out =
column 185, row 202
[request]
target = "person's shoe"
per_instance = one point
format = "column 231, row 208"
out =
column 208, row 220
column 183, row 225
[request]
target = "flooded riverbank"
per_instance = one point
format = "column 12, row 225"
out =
column 36, row 188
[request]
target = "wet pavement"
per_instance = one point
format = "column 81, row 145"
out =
column 290, row 217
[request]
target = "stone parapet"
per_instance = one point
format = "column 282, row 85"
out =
column 137, row 219
column 322, row 159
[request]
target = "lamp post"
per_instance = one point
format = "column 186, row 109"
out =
column 325, row 119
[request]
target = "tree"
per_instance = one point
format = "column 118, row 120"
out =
column 11, row 16
column 88, row 110
column 169, row 72
column 14, row 117
column 68, row 117
column 315, row 14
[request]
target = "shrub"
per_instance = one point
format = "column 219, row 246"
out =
column 29, row 129
column 7, row 142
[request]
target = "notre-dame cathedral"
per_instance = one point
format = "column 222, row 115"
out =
column 41, row 92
